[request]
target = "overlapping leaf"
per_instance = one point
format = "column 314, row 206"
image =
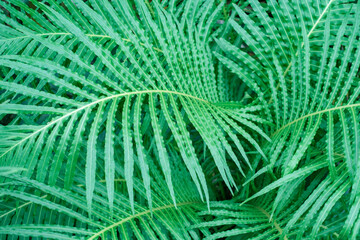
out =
column 88, row 84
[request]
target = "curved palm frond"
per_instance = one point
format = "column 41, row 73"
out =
column 295, row 214
column 74, row 80
column 313, row 98
column 179, row 119
column 56, row 213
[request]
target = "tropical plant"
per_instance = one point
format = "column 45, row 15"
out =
column 188, row 119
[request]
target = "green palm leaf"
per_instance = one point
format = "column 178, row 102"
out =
column 88, row 93
column 179, row 119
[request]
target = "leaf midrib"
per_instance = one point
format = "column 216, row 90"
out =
column 44, row 196
column 316, row 113
column 139, row 215
column 276, row 225
column 310, row 32
column 66, row 34
column 302, row 44
column 99, row 101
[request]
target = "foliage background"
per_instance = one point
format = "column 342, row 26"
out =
column 179, row 119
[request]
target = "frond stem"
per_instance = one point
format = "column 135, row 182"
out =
column 96, row 102
column 302, row 44
column 310, row 32
column 276, row 225
column 44, row 196
column 316, row 113
column 139, row 215
column 65, row 34
column 21, row 206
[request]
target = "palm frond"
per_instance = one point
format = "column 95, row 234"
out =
column 311, row 101
column 179, row 119
column 106, row 89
